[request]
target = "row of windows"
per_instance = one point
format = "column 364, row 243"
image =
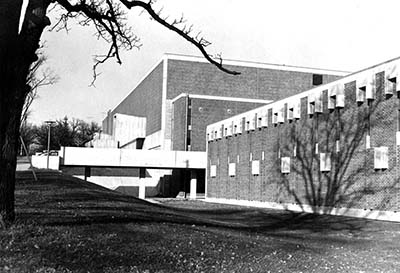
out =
column 381, row 162
column 365, row 90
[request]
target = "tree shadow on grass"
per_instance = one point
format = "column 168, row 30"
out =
column 62, row 200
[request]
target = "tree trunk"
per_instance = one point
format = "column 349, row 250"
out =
column 17, row 53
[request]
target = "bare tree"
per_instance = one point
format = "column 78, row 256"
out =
column 37, row 77
column 18, row 48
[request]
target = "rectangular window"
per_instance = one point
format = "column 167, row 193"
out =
column 275, row 118
column 397, row 138
column 311, row 104
column 250, row 122
column 218, row 132
column 318, row 103
column 290, row 111
column 340, row 96
column 259, row 121
column 229, row 129
column 281, row 115
column 390, row 81
column 325, row 162
column 238, row 126
column 210, row 134
column 381, row 159
column 232, row 169
column 213, row 171
column 285, row 164
column 360, row 95
column 317, row 79
column 297, row 109
column 255, row 167
column 369, row 83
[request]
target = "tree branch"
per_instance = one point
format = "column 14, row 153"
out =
column 110, row 22
column 199, row 43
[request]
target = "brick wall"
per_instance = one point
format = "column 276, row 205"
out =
column 144, row 101
column 202, row 113
column 257, row 83
column 178, row 124
column 352, row 181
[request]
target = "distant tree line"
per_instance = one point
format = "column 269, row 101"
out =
column 65, row 132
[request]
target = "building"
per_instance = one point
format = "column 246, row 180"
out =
column 179, row 83
column 331, row 149
column 171, row 106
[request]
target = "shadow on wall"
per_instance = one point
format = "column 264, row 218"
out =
column 333, row 155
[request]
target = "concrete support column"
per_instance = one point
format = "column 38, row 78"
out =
column 142, row 184
column 193, row 184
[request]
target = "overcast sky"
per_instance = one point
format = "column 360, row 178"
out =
column 342, row 34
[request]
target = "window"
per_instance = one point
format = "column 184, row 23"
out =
column 229, row 129
column 296, row 109
column 213, row 171
column 210, row 134
column 337, row 145
column 367, row 142
column 332, row 97
column 281, row 114
column 340, row 97
column 285, row 164
column 218, row 132
column 390, row 81
column 262, row 120
column 369, row 83
column 317, row 79
column 275, row 118
column 360, row 95
column 381, row 160
column 397, row 138
column 237, row 129
column 232, row 169
column 318, row 102
column 290, row 110
column 324, row 162
column 250, row 120
column 255, row 167
column 311, row 104
column 364, row 88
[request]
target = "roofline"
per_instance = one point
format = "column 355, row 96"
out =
column 352, row 77
column 189, row 58
column 222, row 98
column 141, row 80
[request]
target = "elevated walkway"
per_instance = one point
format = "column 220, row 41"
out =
column 131, row 158
column 148, row 159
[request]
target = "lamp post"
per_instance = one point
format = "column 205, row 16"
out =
column 49, row 123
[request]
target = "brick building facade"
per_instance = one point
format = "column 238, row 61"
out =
column 331, row 149
column 161, row 96
column 181, row 95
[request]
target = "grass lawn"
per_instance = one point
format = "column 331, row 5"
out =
column 68, row 225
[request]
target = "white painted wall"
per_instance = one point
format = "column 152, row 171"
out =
column 40, row 162
column 127, row 128
column 76, row 156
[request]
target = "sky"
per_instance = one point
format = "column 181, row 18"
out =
column 346, row 35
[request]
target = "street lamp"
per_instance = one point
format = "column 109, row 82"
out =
column 49, row 123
